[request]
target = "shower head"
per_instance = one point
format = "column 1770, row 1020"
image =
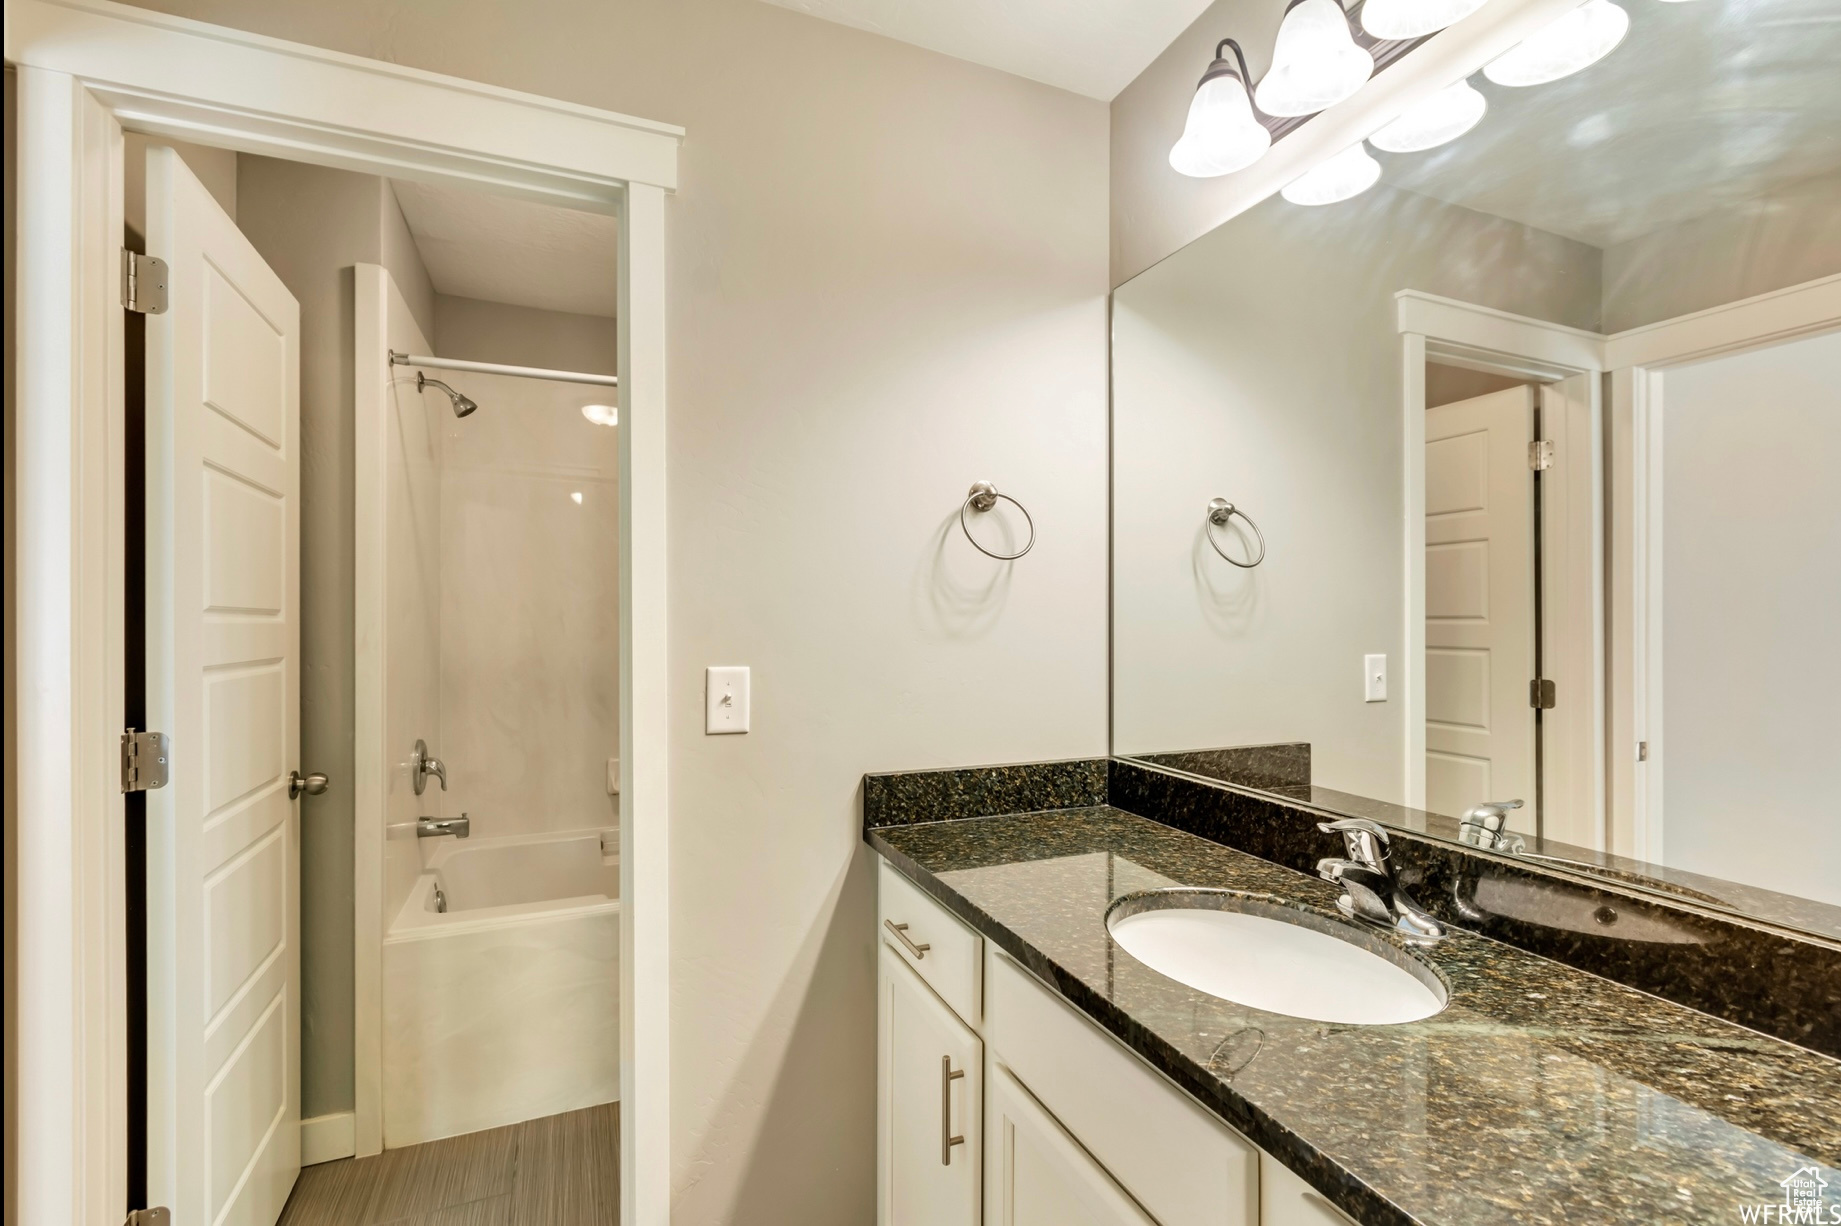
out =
column 462, row 404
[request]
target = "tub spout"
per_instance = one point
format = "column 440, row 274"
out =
column 432, row 827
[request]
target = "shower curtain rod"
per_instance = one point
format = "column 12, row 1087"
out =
column 494, row 368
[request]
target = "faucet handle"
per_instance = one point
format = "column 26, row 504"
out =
column 1365, row 840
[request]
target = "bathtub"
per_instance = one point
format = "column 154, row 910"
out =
column 505, row 1006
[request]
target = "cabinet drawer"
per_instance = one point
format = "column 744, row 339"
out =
column 1174, row 1157
column 942, row 950
column 1286, row 1200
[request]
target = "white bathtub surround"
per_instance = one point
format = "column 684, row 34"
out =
column 481, row 1002
column 530, row 677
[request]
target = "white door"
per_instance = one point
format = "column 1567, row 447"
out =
column 223, row 639
column 1036, row 1174
column 1479, row 603
column 931, row 1075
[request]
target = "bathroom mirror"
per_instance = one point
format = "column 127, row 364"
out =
column 1510, row 478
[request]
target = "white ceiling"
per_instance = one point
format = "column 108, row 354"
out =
column 1704, row 106
column 1092, row 47
column 500, row 249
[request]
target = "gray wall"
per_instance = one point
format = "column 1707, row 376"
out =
column 1262, row 364
column 1775, row 241
column 524, row 336
column 887, row 279
column 312, row 224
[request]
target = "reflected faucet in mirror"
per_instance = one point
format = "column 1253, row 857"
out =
column 434, row 827
column 422, row 764
column 1483, row 826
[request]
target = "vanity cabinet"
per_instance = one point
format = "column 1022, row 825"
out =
column 984, row 1067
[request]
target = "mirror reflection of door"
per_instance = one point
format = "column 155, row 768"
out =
column 1480, row 603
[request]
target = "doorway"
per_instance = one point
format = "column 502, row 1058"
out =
column 83, row 75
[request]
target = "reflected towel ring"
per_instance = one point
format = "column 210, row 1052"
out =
column 1220, row 510
column 983, row 497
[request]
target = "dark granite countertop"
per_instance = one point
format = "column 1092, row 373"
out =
column 1541, row 1094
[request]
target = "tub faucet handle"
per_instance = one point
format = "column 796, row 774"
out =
column 422, row 764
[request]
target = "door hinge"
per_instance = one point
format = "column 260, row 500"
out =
column 1540, row 454
column 143, row 283
column 144, row 759
column 159, row 1215
column 1642, row 751
column 1540, row 694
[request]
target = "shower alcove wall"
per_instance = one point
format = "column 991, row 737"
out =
column 487, row 595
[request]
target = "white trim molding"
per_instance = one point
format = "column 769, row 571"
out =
column 324, row 1138
column 1639, row 360
column 1569, row 360
column 87, row 70
column 188, row 80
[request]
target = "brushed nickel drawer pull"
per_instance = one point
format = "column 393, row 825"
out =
column 947, row 1140
column 901, row 934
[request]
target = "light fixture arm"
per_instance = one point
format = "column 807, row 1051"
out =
column 1246, row 77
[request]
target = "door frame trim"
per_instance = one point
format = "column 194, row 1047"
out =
column 1638, row 360
column 86, row 70
column 1483, row 338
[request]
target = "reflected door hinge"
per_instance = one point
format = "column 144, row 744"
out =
column 1540, row 455
column 159, row 1215
column 1541, row 694
column 144, row 759
column 1642, row 751
column 143, row 283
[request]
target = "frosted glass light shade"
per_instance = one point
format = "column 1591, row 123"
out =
column 1574, row 40
column 1315, row 62
column 1444, row 116
column 1413, row 18
column 1221, row 135
column 1348, row 174
column 601, row 414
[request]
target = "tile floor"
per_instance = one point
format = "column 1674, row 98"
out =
column 562, row 1170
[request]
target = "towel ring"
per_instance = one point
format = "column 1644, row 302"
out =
column 1220, row 510
column 983, row 497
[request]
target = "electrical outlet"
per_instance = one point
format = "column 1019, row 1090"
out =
column 1374, row 678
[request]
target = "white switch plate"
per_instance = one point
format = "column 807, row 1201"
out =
column 1374, row 678
column 725, row 700
column 613, row 776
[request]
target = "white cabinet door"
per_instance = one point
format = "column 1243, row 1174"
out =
column 1286, row 1200
column 1036, row 1174
column 928, row 1114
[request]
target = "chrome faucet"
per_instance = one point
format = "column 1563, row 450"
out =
column 1482, row 826
column 433, row 827
column 1369, row 891
column 422, row 764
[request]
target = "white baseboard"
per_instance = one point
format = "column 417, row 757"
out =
column 325, row 1137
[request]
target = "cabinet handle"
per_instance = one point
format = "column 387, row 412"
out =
column 947, row 1140
column 901, row 934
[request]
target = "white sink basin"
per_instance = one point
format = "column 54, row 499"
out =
column 1253, row 957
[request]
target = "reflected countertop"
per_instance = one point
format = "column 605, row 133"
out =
column 1540, row 1094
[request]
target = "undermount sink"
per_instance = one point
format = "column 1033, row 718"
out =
column 1275, row 958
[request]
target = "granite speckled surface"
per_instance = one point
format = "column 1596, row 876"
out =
column 1757, row 975
column 1541, row 1094
column 906, row 797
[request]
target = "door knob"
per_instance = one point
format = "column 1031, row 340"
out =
column 312, row 784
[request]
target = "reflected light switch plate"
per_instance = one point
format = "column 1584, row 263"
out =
column 725, row 700
column 613, row 776
column 1374, row 678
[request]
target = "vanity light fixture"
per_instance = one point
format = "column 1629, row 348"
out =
column 601, row 414
column 1348, row 174
column 1221, row 135
column 1576, row 39
column 1433, row 121
column 1414, row 18
column 1315, row 62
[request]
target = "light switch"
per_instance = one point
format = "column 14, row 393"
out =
column 613, row 776
column 1374, row 678
column 725, row 700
